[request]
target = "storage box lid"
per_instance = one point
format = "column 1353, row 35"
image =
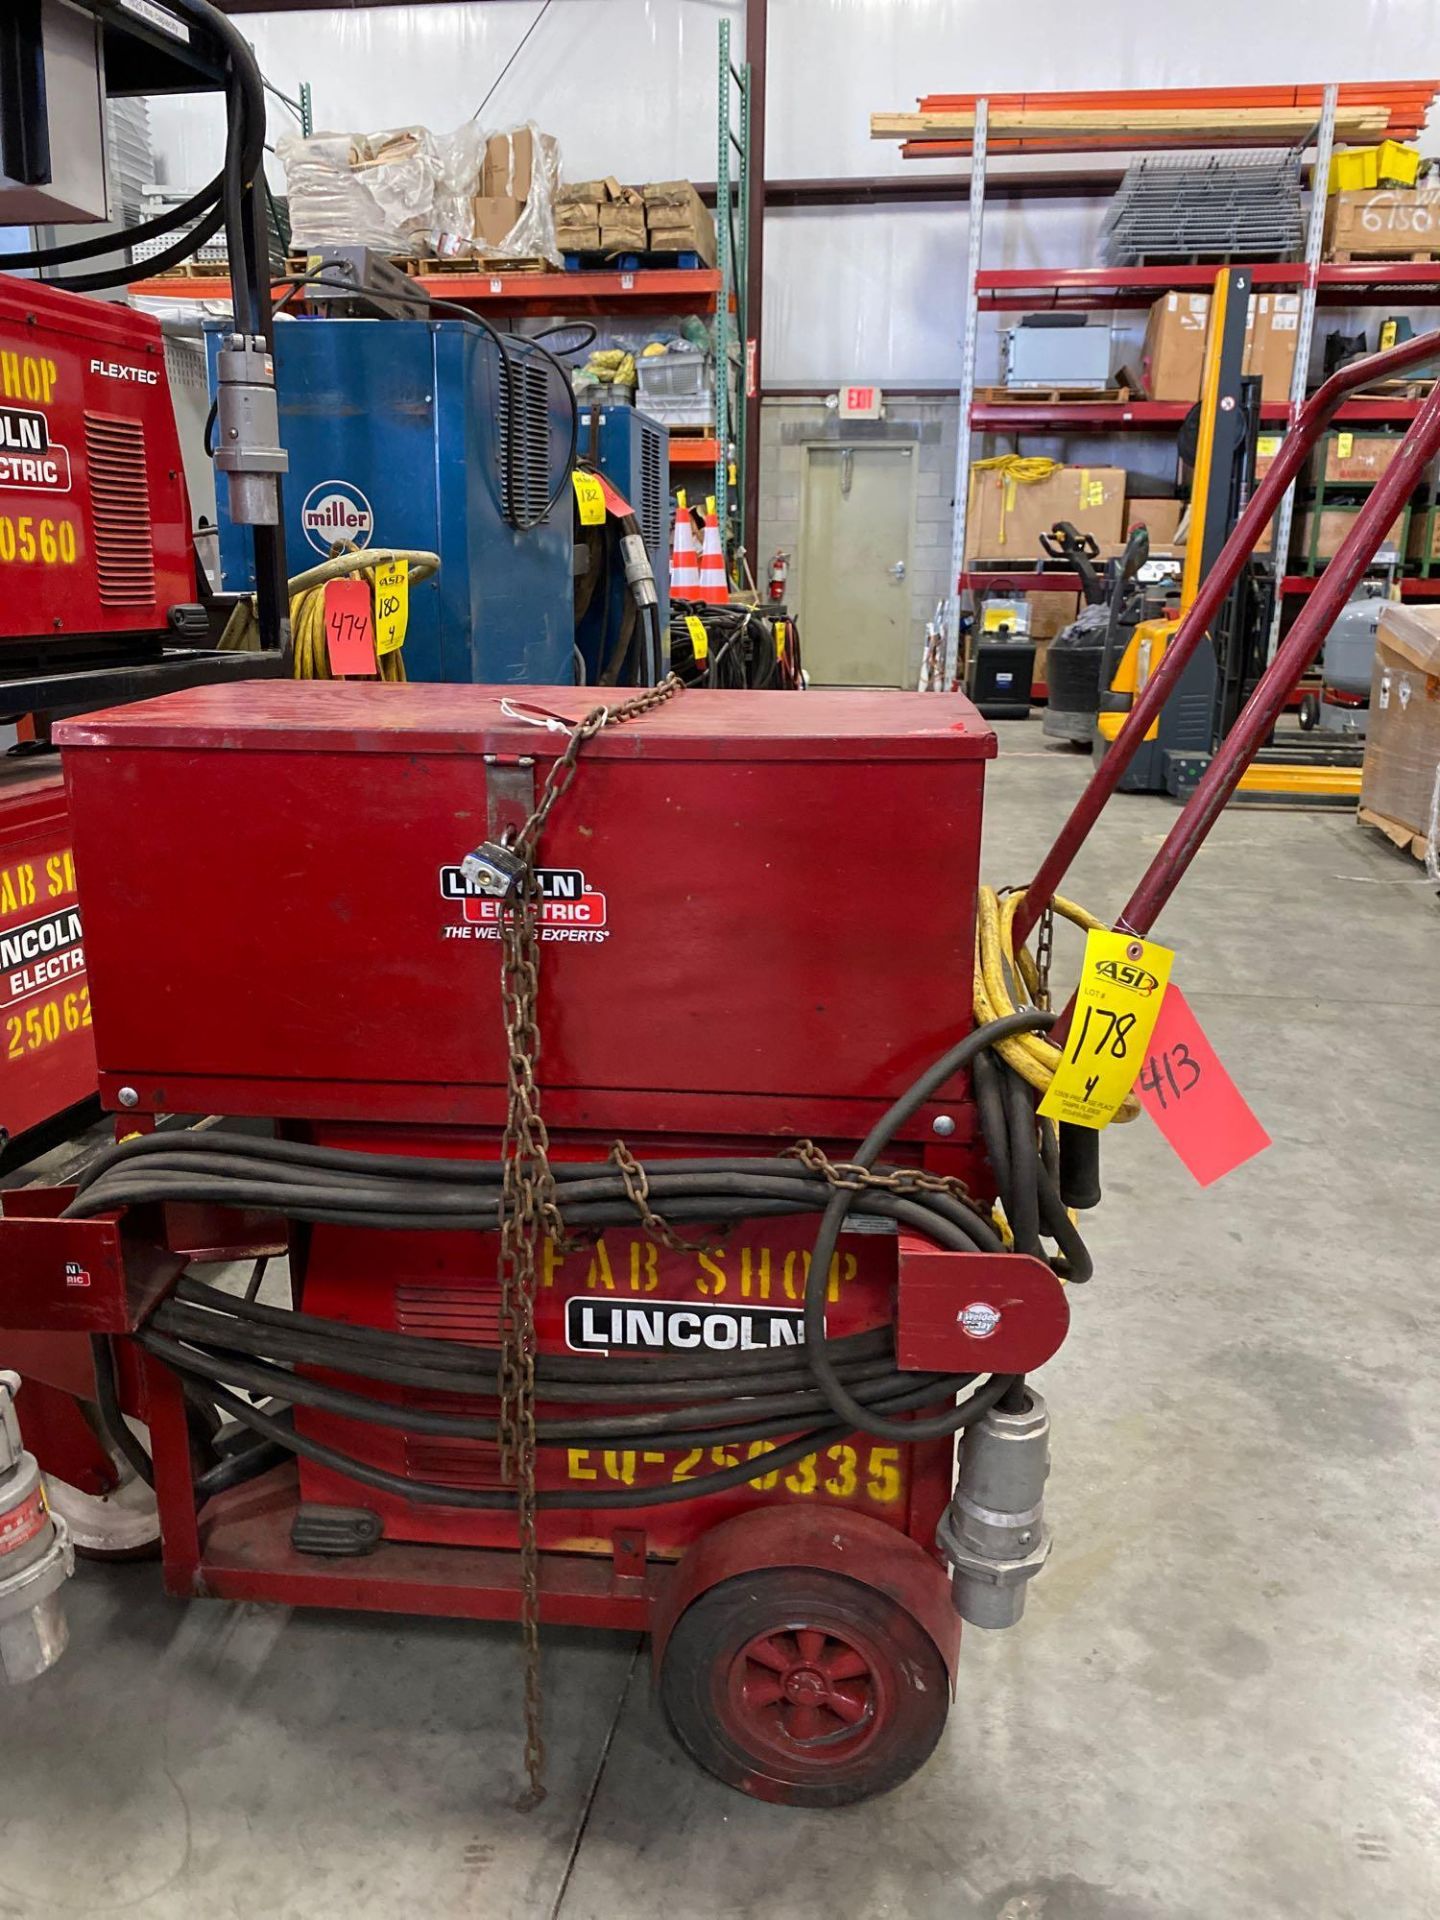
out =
column 698, row 724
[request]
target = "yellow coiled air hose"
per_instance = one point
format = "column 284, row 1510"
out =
column 998, row 964
column 311, row 660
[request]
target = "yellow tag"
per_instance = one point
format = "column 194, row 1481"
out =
column 1122, row 982
column 710, row 503
column 1388, row 331
column 1344, row 445
column 680, row 499
column 699, row 639
column 1268, row 445
column 1095, row 493
column 392, row 605
column 590, row 498
column 779, row 639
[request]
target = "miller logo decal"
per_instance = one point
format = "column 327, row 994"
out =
column 336, row 510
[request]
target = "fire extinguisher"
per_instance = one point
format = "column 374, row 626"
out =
column 779, row 568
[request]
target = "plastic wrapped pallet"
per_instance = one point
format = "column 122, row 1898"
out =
column 362, row 189
column 519, row 175
column 1400, row 783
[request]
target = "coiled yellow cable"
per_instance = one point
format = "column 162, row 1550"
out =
column 999, row 965
column 310, row 654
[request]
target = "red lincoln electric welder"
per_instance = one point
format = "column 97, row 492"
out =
column 95, row 555
column 675, row 1353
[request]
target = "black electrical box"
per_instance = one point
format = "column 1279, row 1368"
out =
column 1000, row 677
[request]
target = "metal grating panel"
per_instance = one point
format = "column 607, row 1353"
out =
column 654, row 499
column 525, row 434
column 120, row 510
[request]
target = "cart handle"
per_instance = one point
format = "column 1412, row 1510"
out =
column 1298, row 650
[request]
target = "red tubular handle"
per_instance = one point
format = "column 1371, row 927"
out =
column 1295, row 654
column 1246, row 736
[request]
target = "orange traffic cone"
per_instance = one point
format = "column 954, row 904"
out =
column 684, row 574
column 713, row 585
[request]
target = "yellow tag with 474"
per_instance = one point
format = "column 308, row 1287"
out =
column 1122, row 983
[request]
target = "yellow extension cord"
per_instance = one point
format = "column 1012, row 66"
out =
column 998, row 963
column 311, row 658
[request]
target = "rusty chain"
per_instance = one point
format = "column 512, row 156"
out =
column 1044, row 951
column 637, row 1187
column 847, row 1173
column 529, row 1212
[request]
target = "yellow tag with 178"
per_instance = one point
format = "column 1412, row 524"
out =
column 1122, row 983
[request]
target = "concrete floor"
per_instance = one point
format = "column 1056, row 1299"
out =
column 1223, row 1702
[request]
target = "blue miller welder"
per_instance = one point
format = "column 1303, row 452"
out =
column 442, row 434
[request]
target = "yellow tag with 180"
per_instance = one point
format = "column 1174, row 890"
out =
column 1122, row 983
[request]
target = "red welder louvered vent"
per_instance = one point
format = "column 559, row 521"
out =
column 120, row 510
column 470, row 1314
column 450, row 1313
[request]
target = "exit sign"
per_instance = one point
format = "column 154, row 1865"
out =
column 860, row 403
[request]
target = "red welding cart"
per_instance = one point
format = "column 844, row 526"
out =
column 754, row 919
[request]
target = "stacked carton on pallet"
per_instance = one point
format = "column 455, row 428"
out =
column 601, row 216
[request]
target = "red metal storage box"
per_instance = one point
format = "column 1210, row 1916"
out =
column 291, row 935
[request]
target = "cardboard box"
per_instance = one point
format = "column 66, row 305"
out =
column 508, row 169
column 1173, row 352
column 1334, row 524
column 1424, row 541
column 1160, row 518
column 493, row 218
column 1402, row 740
column 587, row 193
column 1272, row 333
column 1050, row 612
column 679, row 220
column 1267, row 445
column 1391, row 220
column 622, row 227
column 1006, row 517
column 1357, row 457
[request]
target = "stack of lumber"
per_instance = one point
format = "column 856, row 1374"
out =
column 1156, row 117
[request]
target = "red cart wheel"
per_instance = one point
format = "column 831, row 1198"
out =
column 804, row 1687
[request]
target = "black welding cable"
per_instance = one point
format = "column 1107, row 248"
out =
column 113, row 1425
column 847, row 1407
column 201, row 202
column 157, row 264
column 776, row 1415
column 1024, row 1162
column 475, row 1370
column 458, row 1355
column 784, row 1454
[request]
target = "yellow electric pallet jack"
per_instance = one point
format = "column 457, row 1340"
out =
column 1224, row 669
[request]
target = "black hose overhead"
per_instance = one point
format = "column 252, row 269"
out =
column 219, row 201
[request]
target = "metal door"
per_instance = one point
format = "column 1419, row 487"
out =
column 857, row 520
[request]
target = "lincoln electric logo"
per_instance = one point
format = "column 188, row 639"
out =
column 336, row 511
column 678, row 1326
column 570, row 908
